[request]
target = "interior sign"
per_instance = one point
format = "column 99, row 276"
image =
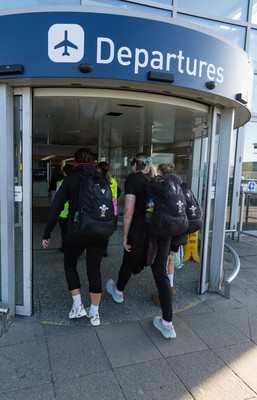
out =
column 18, row 194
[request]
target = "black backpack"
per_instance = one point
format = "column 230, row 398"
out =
column 193, row 210
column 166, row 207
column 95, row 213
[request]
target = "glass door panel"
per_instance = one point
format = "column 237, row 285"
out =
column 17, row 152
column 209, row 199
column 22, row 161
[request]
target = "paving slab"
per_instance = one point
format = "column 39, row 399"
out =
column 253, row 324
column 127, row 344
column 40, row 392
column 24, row 365
column 186, row 340
column 245, row 294
column 206, row 376
column 248, row 262
column 98, row 386
column 76, row 355
column 62, row 329
column 19, row 331
column 151, row 380
column 217, row 302
column 198, row 307
column 242, row 359
column 214, row 331
column 240, row 319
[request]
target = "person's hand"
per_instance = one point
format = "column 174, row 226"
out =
column 45, row 243
column 126, row 245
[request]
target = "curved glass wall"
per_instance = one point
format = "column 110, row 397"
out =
column 254, row 12
column 114, row 129
column 248, row 204
column 253, row 47
column 152, row 7
column 232, row 162
column 254, row 95
column 232, row 9
column 232, row 32
column 0, row 261
column 5, row 4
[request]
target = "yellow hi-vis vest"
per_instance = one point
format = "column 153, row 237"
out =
column 114, row 190
column 113, row 186
column 64, row 213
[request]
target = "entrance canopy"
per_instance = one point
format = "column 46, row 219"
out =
column 118, row 50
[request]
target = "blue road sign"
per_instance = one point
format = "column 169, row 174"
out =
column 251, row 186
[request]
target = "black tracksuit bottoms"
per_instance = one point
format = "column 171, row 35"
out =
column 73, row 248
column 159, row 272
column 161, row 278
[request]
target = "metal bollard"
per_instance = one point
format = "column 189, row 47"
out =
column 4, row 312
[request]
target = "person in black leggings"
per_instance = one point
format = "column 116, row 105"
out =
column 135, row 241
column 74, row 244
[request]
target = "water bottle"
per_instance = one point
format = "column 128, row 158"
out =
column 149, row 209
column 76, row 216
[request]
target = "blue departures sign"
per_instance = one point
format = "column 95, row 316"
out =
column 53, row 44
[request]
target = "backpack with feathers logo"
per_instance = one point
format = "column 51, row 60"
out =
column 193, row 210
column 95, row 211
column 166, row 207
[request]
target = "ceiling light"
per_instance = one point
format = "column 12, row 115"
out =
column 69, row 159
column 48, row 157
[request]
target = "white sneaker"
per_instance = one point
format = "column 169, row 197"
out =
column 112, row 289
column 77, row 312
column 167, row 331
column 94, row 319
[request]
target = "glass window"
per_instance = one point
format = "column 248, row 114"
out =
column 249, row 178
column 154, row 3
column 232, row 162
column 232, row 32
column 232, row 9
column 168, row 2
column 250, row 150
column 253, row 47
column 4, row 4
column 131, row 6
column 254, row 95
column 254, row 12
column 0, row 261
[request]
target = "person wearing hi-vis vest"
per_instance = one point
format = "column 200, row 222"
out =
column 104, row 168
column 63, row 217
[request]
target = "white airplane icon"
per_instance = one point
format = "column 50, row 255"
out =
column 66, row 43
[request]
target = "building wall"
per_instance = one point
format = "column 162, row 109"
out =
column 234, row 19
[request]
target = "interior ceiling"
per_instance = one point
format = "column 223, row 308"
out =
column 63, row 124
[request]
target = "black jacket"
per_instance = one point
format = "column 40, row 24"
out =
column 69, row 191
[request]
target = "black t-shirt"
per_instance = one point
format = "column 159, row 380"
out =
column 135, row 184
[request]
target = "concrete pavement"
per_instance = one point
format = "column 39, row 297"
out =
column 214, row 356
